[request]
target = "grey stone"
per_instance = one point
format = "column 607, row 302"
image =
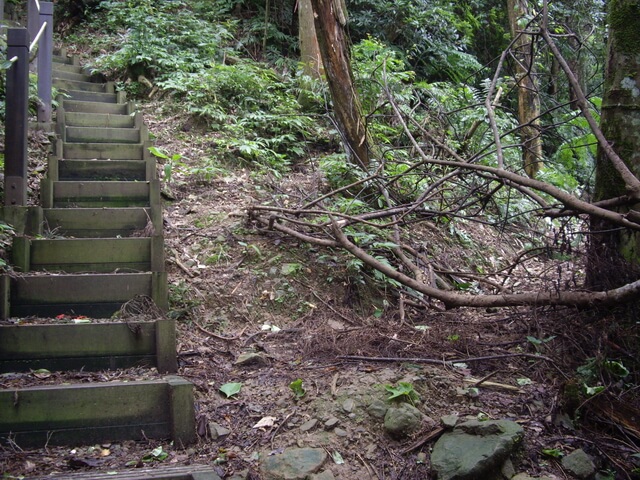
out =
column 340, row 432
column 377, row 409
column 250, row 358
column 331, row 423
column 217, row 431
column 309, row 424
column 242, row 475
column 579, row 464
column 348, row 405
column 402, row 420
column 449, row 421
column 508, row 470
column 475, row 449
column 293, row 464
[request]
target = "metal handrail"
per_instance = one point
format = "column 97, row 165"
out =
column 36, row 39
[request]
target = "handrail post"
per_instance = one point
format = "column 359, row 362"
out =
column 17, row 118
column 45, row 52
column 32, row 18
column 1, row 10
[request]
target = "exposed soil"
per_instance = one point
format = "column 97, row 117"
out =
column 234, row 290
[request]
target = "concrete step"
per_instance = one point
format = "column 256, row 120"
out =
column 96, row 295
column 96, row 107
column 79, row 119
column 102, row 170
column 65, row 85
column 59, row 66
column 99, row 222
column 103, row 151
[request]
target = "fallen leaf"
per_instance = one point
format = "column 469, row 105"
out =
column 265, row 422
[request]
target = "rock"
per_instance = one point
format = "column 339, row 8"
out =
column 402, row 420
column 579, row 464
column 508, row 470
column 293, row 464
column 377, row 409
column 331, row 423
column 449, row 421
column 217, row 431
column 242, row 475
column 250, row 358
column 524, row 476
column 309, row 425
column 348, row 405
column 340, row 432
column 475, row 449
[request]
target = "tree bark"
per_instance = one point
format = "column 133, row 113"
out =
column 614, row 254
column 309, row 49
column 528, row 97
column 330, row 23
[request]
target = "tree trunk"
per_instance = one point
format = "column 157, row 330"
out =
column 528, row 97
column 309, row 49
column 330, row 23
column 614, row 254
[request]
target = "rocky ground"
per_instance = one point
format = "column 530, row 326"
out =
column 318, row 356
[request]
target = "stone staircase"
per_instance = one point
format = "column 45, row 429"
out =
column 94, row 244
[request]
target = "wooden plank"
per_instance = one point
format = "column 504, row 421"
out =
column 78, row 289
column 101, row 194
column 167, row 360
column 91, row 413
column 182, row 411
column 103, row 151
column 94, row 254
column 95, row 107
column 102, row 134
column 96, row 222
column 20, row 254
column 98, row 120
column 93, row 309
column 92, row 96
column 65, row 84
column 186, row 472
column 87, row 364
column 101, row 170
column 5, row 306
column 83, row 340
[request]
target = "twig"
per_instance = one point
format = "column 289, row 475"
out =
column 435, row 361
column 432, row 435
column 273, row 435
column 220, row 337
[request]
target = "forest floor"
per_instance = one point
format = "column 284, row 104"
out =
column 236, row 290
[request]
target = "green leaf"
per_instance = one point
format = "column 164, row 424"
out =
column 337, row 458
column 616, row 368
column 552, row 452
column 403, row 390
column 297, row 387
column 591, row 391
column 230, row 389
column 158, row 153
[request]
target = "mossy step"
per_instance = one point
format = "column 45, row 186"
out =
column 96, row 107
column 101, row 194
column 94, row 413
column 133, row 254
column 97, row 222
column 105, row 170
column 189, row 472
column 102, row 151
column 92, row 96
column 88, row 346
column 103, row 135
column 79, row 119
column 66, row 65
column 96, row 295
column 59, row 74
column 85, row 86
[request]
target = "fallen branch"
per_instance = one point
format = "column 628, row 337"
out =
column 434, row 361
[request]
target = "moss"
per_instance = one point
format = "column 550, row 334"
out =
column 624, row 21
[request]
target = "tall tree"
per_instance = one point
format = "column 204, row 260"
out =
column 615, row 253
column 309, row 49
column 330, row 23
column 528, row 96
